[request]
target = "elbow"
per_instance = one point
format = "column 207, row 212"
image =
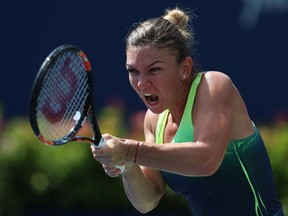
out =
column 144, row 211
column 211, row 161
column 208, row 171
column 209, row 168
column 146, row 208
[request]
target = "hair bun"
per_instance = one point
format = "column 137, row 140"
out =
column 177, row 17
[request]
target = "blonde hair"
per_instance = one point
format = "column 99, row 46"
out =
column 180, row 19
column 171, row 31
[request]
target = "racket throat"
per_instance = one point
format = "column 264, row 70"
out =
column 83, row 139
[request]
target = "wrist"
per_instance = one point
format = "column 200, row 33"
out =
column 132, row 151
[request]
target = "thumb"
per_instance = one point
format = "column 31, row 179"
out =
column 107, row 136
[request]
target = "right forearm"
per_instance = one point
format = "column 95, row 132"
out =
column 141, row 192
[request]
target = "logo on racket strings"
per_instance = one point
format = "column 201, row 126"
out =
column 64, row 88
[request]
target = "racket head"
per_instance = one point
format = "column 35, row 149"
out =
column 61, row 96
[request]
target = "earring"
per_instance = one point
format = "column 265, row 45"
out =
column 183, row 77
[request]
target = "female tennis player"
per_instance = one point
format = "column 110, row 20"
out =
column 199, row 138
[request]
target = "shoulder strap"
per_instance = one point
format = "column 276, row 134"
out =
column 186, row 125
column 161, row 124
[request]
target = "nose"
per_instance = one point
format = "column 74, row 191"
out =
column 143, row 82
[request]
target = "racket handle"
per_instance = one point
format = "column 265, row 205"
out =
column 101, row 144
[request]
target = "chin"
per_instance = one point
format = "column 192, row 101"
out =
column 155, row 110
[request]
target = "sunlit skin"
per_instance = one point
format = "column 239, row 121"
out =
column 219, row 115
column 155, row 72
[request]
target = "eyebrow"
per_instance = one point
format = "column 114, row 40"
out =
column 155, row 62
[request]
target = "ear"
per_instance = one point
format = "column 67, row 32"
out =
column 187, row 65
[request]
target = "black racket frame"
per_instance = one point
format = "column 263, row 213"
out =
column 87, row 112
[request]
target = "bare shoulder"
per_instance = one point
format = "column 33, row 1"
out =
column 217, row 74
column 218, row 84
column 219, row 78
column 218, row 93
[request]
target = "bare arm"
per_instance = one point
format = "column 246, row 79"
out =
column 202, row 157
column 144, row 186
column 213, row 117
column 212, row 123
column 141, row 190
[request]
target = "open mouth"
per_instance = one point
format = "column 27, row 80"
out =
column 151, row 99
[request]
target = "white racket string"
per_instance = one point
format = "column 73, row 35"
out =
column 64, row 91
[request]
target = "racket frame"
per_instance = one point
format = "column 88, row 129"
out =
column 88, row 109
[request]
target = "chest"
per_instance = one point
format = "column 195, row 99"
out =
column 170, row 131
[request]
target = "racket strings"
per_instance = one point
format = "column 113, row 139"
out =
column 62, row 97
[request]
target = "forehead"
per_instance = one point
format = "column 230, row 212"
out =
column 146, row 54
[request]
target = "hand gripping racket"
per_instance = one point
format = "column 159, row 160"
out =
column 62, row 99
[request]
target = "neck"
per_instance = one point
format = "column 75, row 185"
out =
column 177, row 110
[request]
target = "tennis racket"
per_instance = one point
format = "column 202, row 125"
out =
column 62, row 99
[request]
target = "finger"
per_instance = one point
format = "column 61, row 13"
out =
column 111, row 171
column 107, row 136
column 96, row 151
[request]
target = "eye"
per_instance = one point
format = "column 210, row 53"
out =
column 155, row 69
column 132, row 71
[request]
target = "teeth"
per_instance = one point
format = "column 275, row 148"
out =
column 147, row 95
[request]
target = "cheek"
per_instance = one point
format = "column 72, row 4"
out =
column 133, row 83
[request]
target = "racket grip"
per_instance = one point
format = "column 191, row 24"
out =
column 101, row 144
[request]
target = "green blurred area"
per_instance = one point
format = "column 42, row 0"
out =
column 37, row 179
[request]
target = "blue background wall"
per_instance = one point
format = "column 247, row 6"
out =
column 247, row 39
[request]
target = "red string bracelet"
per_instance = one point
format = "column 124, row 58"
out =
column 135, row 157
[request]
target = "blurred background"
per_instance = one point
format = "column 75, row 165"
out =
column 246, row 39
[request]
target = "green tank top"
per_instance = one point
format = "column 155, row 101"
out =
column 185, row 131
column 243, row 184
